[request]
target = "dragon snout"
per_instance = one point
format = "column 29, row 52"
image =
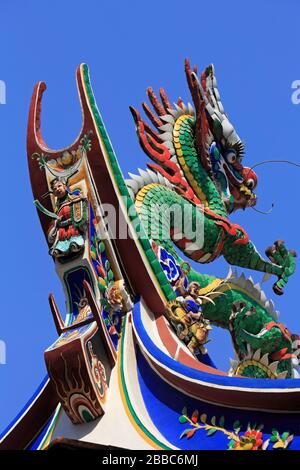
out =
column 250, row 178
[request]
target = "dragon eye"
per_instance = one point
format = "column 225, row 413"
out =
column 231, row 157
column 250, row 183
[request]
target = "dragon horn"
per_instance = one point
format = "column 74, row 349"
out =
column 137, row 119
column 165, row 99
column 135, row 114
column 202, row 132
column 192, row 83
column 155, row 120
column 155, row 102
column 187, row 68
column 180, row 102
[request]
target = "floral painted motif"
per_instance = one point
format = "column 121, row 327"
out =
column 68, row 159
column 281, row 442
column 170, row 266
column 106, row 283
column 251, row 439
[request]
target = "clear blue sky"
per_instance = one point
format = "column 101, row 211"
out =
column 129, row 46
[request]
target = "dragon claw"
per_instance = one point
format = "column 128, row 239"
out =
column 293, row 253
column 277, row 290
column 284, row 260
column 269, row 253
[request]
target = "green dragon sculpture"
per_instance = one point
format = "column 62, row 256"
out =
column 198, row 171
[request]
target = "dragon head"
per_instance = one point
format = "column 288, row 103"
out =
column 210, row 137
column 219, row 147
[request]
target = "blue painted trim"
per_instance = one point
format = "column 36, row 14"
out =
column 164, row 404
column 182, row 369
column 36, row 393
column 42, row 434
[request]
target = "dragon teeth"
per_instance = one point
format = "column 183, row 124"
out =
column 282, row 375
column 132, row 185
column 166, row 127
column 257, row 288
column 173, row 113
column 256, row 355
column 185, row 108
column 168, row 144
column 137, row 178
column 266, row 277
column 161, row 179
column 177, row 112
column 153, row 175
column 233, row 364
column 273, row 366
column 265, row 359
column 191, row 109
column 145, row 177
column 178, row 108
column 263, row 297
column 272, row 305
column 168, row 118
column 229, row 274
column 131, row 193
column 166, row 136
column 143, row 173
column 248, row 285
column 249, row 351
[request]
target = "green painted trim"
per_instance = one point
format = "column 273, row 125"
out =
column 52, row 426
column 117, row 174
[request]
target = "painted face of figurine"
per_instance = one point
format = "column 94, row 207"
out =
column 59, row 189
column 193, row 289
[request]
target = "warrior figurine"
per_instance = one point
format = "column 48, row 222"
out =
column 185, row 313
column 66, row 233
column 198, row 326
